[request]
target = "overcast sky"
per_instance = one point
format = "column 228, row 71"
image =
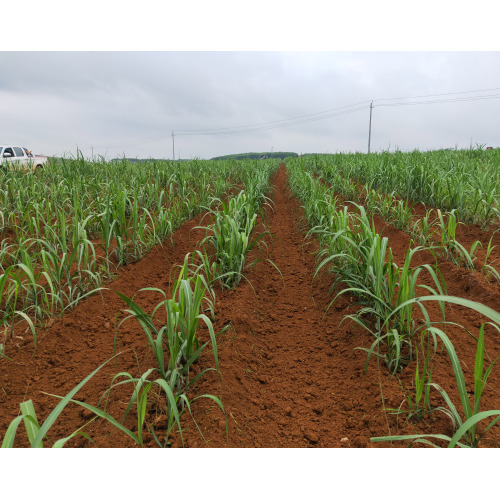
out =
column 128, row 103
column 70, row 80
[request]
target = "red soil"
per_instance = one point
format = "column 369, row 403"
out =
column 467, row 235
column 290, row 374
column 79, row 342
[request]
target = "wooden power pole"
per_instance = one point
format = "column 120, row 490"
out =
column 370, row 127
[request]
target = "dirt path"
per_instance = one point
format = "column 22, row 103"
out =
column 290, row 375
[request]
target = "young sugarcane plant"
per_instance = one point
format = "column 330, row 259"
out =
column 179, row 334
column 419, row 405
column 37, row 432
column 401, row 214
column 466, row 433
column 453, row 250
column 230, row 235
column 423, row 229
column 363, row 260
column 178, row 337
column 175, row 402
column 488, row 269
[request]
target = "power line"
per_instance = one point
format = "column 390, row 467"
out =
column 439, row 101
column 436, row 95
column 311, row 117
column 244, row 128
column 275, row 121
column 258, row 129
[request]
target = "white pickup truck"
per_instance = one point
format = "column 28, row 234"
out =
column 19, row 158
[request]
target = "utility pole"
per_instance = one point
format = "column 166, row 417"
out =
column 173, row 147
column 370, row 127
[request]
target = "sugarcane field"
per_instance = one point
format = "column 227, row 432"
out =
column 346, row 300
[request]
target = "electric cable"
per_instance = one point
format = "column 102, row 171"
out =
column 310, row 117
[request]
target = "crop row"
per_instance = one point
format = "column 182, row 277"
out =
column 391, row 306
column 465, row 180
column 437, row 231
column 172, row 328
column 69, row 228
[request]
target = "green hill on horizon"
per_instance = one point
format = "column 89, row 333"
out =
column 256, row 156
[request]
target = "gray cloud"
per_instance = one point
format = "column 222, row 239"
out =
column 54, row 101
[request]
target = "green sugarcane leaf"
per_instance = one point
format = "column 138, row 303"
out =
column 30, row 421
column 8, row 439
column 470, row 423
column 45, row 427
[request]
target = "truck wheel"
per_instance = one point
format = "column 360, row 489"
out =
column 38, row 169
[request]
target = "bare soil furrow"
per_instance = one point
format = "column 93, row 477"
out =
column 290, row 374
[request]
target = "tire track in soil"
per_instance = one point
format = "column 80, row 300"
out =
column 290, row 374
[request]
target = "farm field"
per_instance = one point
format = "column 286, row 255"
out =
column 266, row 257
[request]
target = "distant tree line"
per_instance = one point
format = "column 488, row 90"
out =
column 241, row 156
column 256, row 156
